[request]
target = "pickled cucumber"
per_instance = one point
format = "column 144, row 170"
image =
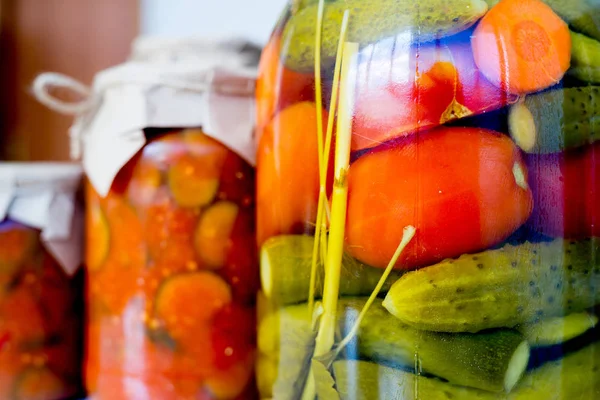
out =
column 584, row 51
column 585, row 74
column 575, row 377
column 285, row 271
column 581, row 15
column 363, row 380
column 371, row 21
column 557, row 330
column 504, row 287
column 285, row 345
column 493, row 360
column 556, row 120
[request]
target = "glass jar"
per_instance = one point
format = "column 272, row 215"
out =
column 40, row 297
column 172, row 274
column 428, row 199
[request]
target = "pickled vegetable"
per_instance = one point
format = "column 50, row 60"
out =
column 492, row 361
column 556, row 120
column 289, row 163
column 441, row 82
column 499, row 288
column 522, row 46
column 566, row 379
column 442, row 166
column 285, row 273
column 212, row 237
column 374, row 21
column 581, row 15
column 557, row 330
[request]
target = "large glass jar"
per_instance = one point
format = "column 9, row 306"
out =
column 172, row 274
column 428, row 200
column 41, row 313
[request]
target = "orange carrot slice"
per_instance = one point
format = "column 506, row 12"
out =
column 213, row 234
column 522, row 46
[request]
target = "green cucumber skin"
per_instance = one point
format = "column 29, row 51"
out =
column 565, row 118
column 582, row 15
column 370, row 21
column 500, row 288
column 290, row 261
column 557, row 330
column 585, row 51
column 575, row 377
column 474, row 360
column 585, row 74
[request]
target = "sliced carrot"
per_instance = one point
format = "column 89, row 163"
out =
column 288, row 172
column 97, row 235
column 213, row 234
column 187, row 301
column 522, row 46
column 39, row 384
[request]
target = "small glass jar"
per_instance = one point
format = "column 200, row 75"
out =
column 41, row 313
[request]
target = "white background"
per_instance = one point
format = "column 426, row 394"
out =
column 250, row 19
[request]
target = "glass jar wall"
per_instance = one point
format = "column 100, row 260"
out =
column 454, row 145
column 40, row 320
column 172, row 274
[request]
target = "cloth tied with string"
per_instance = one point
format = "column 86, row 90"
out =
column 166, row 83
column 43, row 196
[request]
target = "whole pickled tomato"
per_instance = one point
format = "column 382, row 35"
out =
column 403, row 88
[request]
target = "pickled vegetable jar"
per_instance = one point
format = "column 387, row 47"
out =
column 428, row 200
column 172, row 274
column 40, row 292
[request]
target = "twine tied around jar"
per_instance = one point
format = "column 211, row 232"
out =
column 91, row 97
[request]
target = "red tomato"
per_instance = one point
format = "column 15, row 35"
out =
column 566, row 192
column 422, row 87
column 287, row 178
column 463, row 189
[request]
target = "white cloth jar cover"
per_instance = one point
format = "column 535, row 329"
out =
column 166, row 83
column 43, row 196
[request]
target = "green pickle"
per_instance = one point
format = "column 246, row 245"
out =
column 286, row 263
column 372, row 21
column 499, row 288
column 408, row 255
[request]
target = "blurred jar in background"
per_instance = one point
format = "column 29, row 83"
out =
column 40, row 287
column 171, row 245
